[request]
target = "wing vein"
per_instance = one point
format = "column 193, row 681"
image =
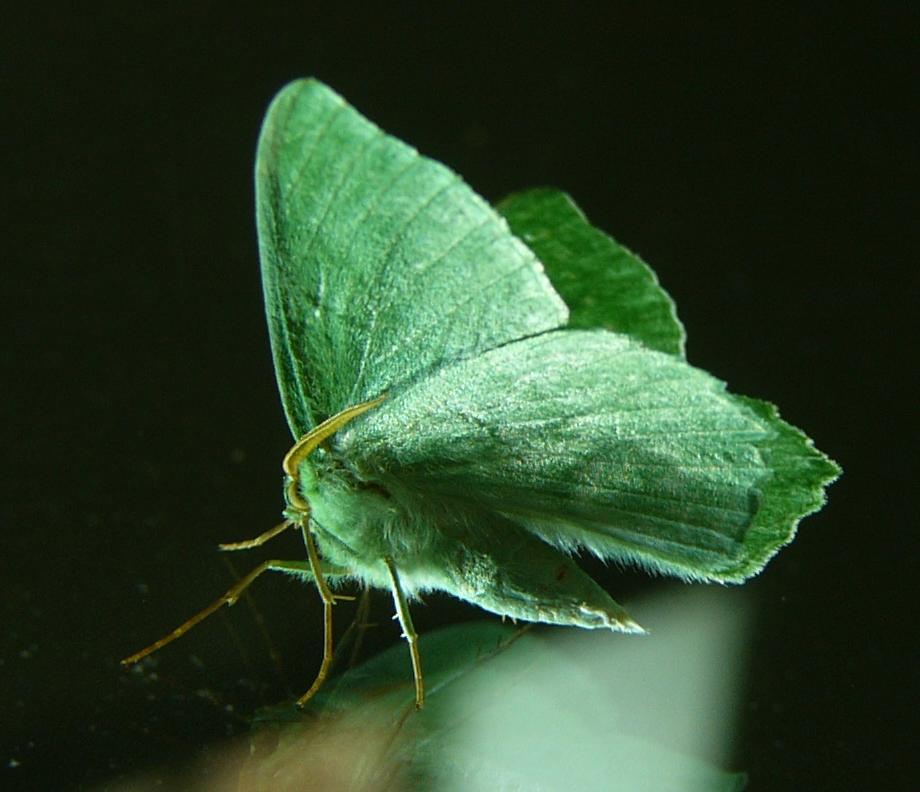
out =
column 384, row 261
column 334, row 194
column 439, row 259
column 294, row 183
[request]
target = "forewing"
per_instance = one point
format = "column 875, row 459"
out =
column 589, row 439
column 604, row 284
column 378, row 265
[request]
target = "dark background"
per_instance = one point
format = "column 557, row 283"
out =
column 765, row 163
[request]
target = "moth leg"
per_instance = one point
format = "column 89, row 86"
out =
column 232, row 595
column 354, row 635
column 361, row 624
column 405, row 621
column 328, row 601
column 261, row 539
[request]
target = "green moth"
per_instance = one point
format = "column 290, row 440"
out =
column 478, row 393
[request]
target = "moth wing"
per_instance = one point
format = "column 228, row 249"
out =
column 591, row 440
column 378, row 265
column 604, row 284
column 488, row 560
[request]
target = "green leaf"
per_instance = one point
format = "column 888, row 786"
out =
column 590, row 440
column 378, row 265
column 604, row 284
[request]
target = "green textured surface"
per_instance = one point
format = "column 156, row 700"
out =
column 378, row 265
column 604, row 284
column 506, row 442
column 589, row 439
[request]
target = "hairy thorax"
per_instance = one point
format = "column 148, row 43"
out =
column 358, row 522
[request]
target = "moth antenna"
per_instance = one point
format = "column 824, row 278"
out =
column 309, row 442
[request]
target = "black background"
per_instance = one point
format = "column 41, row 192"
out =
column 764, row 162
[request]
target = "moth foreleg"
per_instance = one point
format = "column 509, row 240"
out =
column 261, row 539
column 231, row 596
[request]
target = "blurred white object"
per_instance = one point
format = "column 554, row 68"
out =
column 575, row 710
column 546, row 710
